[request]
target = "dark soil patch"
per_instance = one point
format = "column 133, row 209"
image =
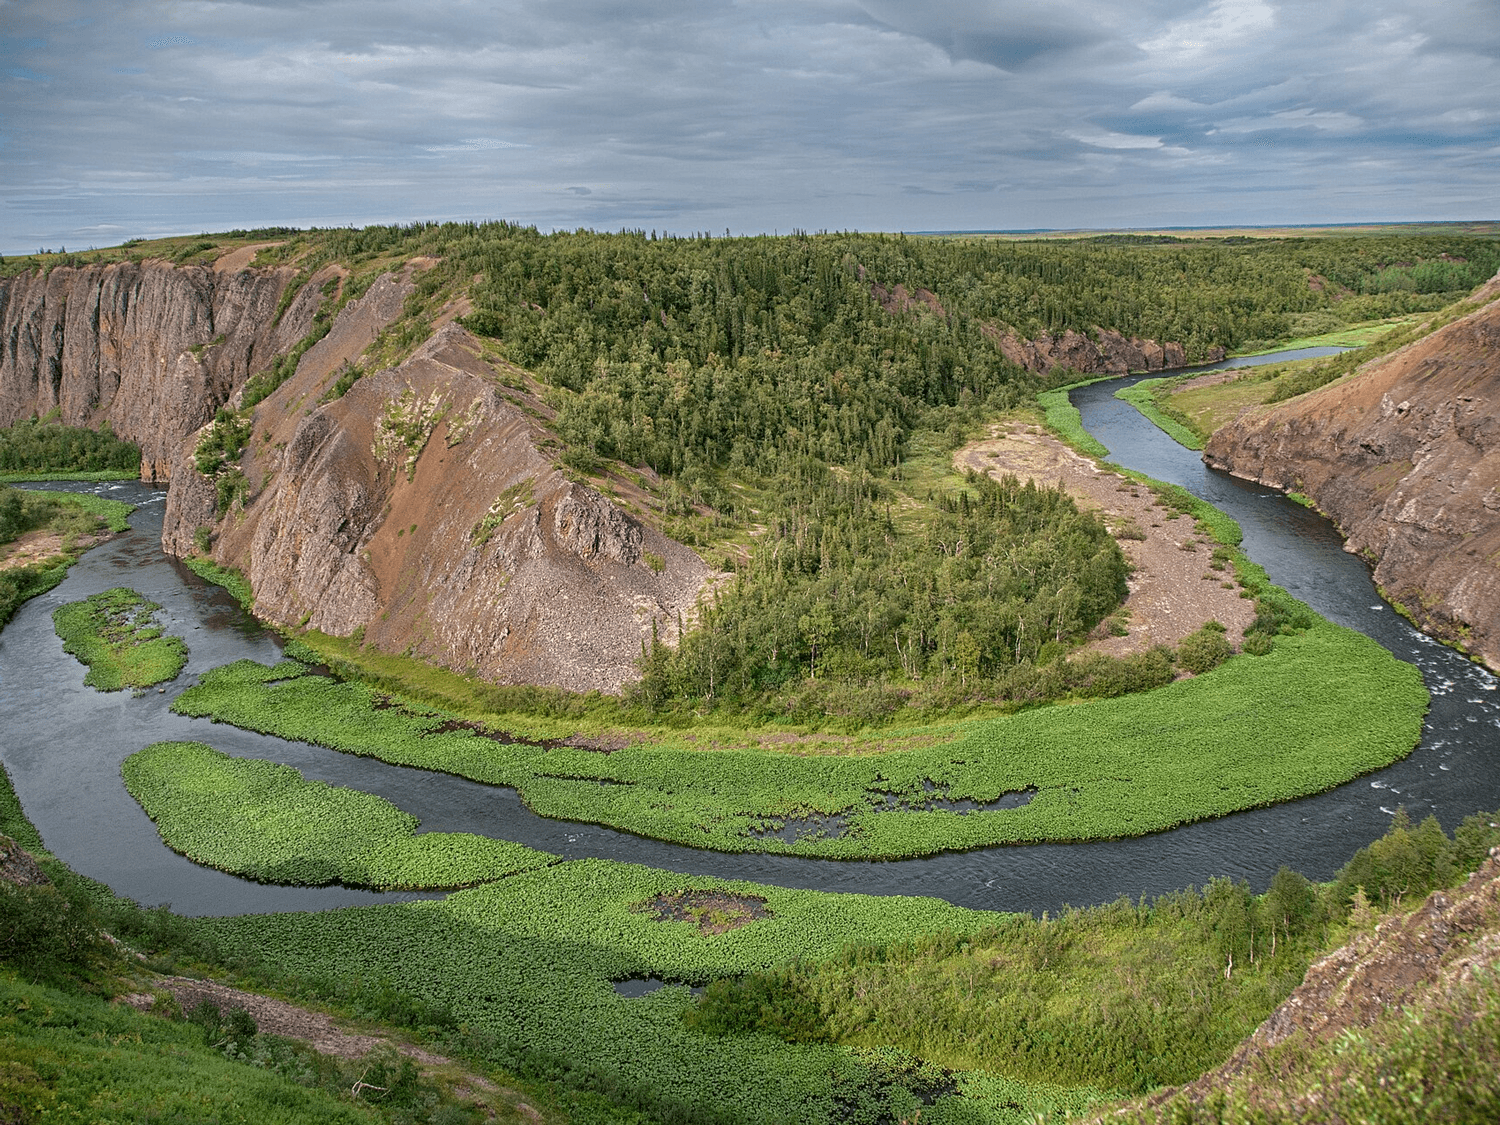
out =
column 713, row 912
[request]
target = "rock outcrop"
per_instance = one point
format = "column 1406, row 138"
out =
column 422, row 511
column 152, row 349
column 1404, row 456
column 18, row 867
column 1106, row 352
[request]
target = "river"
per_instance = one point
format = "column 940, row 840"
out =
column 62, row 743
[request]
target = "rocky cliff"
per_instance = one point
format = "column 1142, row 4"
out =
column 1105, row 352
column 151, row 349
column 1404, row 455
column 423, row 511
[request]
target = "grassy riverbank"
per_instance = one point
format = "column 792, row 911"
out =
column 59, row 526
column 1093, row 770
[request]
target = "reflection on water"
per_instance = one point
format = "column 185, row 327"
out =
column 63, row 743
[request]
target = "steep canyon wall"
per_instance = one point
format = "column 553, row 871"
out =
column 150, row 348
column 1404, row 456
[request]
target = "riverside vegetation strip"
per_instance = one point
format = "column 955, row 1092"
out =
column 265, row 821
column 817, row 986
column 1321, row 707
column 515, row 976
column 116, row 635
column 1321, row 703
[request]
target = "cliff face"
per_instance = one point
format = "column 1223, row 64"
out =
column 1405, row 457
column 422, row 509
column 152, row 349
column 1106, row 352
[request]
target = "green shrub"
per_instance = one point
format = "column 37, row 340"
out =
column 1204, row 650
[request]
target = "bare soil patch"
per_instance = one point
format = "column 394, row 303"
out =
column 240, row 259
column 713, row 912
column 1173, row 588
column 38, row 546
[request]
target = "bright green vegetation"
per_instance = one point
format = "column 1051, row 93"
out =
column 66, row 1056
column 30, row 448
column 228, row 577
column 526, row 966
column 265, row 821
column 1353, row 336
column 1080, row 1000
column 116, row 635
column 516, row 975
column 68, row 1053
column 1100, row 768
column 50, row 475
column 1088, row 998
column 68, row 514
column 1063, row 419
column 1434, row 1061
column 1142, row 396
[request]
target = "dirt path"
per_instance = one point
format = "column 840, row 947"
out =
column 240, row 259
column 278, row 1017
column 320, row 1031
column 1173, row 589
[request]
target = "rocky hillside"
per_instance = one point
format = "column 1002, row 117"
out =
column 1404, row 456
column 150, row 348
column 422, row 510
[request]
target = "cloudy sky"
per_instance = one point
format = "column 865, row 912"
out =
column 126, row 118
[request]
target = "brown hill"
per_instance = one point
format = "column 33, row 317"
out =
column 1404, row 456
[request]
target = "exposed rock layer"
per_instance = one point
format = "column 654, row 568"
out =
column 1405, row 457
column 152, row 349
column 422, row 511
column 1105, row 352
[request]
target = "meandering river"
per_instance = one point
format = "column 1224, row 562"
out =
column 62, row 743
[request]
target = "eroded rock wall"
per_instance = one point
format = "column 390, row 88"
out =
column 1405, row 457
column 422, row 511
column 1104, row 352
column 150, row 348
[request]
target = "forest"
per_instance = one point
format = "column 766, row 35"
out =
column 32, row 447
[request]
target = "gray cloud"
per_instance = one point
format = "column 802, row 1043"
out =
column 142, row 118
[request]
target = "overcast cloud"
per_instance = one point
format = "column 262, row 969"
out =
column 135, row 118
